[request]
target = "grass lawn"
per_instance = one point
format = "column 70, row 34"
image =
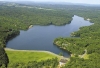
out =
column 24, row 56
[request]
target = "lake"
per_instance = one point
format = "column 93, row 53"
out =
column 42, row 37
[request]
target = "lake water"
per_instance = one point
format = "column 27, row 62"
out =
column 42, row 37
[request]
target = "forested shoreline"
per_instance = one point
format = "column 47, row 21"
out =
column 85, row 50
column 16, row 17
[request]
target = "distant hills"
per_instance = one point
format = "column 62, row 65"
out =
column 32, row 3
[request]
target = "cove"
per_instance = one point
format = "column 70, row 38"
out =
column 42, row 37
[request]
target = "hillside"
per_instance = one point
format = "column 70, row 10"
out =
column 85, row 49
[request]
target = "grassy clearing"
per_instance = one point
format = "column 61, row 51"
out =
column 86, row 56
column 26, row 56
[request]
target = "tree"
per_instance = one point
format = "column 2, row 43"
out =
column 3, row 57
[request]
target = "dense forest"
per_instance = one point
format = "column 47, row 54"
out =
column 15, row 17
column 84, row 44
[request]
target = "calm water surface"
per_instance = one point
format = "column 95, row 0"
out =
column 42, row 37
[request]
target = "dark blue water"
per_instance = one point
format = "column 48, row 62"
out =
column 42, row 37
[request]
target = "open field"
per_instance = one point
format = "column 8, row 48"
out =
column 29, row 55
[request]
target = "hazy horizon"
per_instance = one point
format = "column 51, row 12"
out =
column 69, row 1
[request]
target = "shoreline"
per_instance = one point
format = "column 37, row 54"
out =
column 58, row 56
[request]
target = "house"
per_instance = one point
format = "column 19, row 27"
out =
column 88, row 19
column 62, row 62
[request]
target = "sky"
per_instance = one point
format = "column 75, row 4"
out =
column 70, row 1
